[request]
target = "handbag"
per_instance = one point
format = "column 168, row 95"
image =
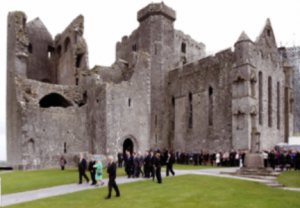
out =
column 99, row 173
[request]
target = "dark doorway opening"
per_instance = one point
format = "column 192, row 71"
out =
column 78, row 60
column 54, row 100
column 128, row 145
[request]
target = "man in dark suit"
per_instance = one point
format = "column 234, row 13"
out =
column 81, row 168
column 170, row 161
column 232, row 158
column 120, row 159
column 136, row 164
column 92, row 170
column 147, row 164
column 195, row 158
column 152, row 164
column 112, row 174
column 128, row 162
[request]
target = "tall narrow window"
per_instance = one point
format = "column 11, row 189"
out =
column 156, row 138
column 190, row 110
column 173, row 113
column 278, row 105
column 76, row 81
column 155, row 121
column 155, row 49
column 78, row 60
column 270, row 102
column 129, row 102
column 183, row 47
column 252, row 84
column 65, row 147
column 210, row 106
column 260, row 94
column 30, row 48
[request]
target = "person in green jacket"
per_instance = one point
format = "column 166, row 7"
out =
column 99, row 169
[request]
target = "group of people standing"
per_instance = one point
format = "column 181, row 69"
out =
column 147, row 165
column 234, row 158
column 282, row 159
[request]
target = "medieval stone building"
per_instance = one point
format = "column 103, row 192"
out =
column 162, row 91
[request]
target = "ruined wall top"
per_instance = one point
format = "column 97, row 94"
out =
column 156, row 9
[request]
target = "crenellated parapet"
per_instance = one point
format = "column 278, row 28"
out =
column 156, row 9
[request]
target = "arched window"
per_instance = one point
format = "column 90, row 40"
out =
column 54, row 100
column 190, row 110
column 260, row 94
column 278, row 105
column 210, row 106
column 66, row 44
column 270, row 101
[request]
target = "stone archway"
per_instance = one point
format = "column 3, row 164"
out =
column 130, row 142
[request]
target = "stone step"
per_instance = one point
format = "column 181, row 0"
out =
column 258, row 173
column 258, row 177
column 275, row 185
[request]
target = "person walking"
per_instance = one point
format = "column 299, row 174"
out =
column 112, row 174
column 152, row 165
column 146, row 165
column 158, row 168
column 170, row 161
column 92, row 170
column 63, row 162
column 128, row 161
column 82, row 166
column 98, row 172
column 282, row 160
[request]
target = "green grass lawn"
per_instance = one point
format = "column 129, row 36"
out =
column 18, row 181
column 188, row 191
column 193, row 167
column 290, row 179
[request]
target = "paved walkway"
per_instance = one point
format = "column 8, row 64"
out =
column 26, row 196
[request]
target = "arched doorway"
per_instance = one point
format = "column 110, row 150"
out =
column 128, row 145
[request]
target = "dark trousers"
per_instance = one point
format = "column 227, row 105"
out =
column 152, row 169
column 196, row 162
column 170, row 169
column 297, row 165
column 272, row 164
column 62, row 167
column 232, row 162
column 158, row 175
column 266, row 163
column 200, row 161
column 93, row 176
column 120, row 162
column 146, row 171
column 140, row 171
column 128, row 170
column 112, row 184
column 237, row 162
column 82, row 173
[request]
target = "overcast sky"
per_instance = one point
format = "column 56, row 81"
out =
column 216, row 23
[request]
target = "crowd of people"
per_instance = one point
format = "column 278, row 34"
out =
column 283, row 159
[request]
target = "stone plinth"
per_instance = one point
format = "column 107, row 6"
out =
column 254, row 160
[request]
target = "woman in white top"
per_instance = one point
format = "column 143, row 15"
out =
column 218, row 159
column 237, row 159
column 265, row 155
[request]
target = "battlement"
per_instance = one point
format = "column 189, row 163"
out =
column 156, row 9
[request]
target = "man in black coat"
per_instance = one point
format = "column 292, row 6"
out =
column 232, row 158
column 182, row 158
column 147, row 165
column 297, row 160
column 81, row 168
column 170, row 161
column 112, row 174
column 92, row 170
column 195, row 158
column 128, row 162
column 152, row 163
column 120, row 159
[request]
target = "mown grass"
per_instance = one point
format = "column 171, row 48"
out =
column 186, row 191
column 18, row 181
column 290, row 179
column 193, row 167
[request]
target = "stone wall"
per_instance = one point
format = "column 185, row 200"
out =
column 196, row 78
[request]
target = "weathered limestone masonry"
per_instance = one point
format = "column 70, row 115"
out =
column 162, row 91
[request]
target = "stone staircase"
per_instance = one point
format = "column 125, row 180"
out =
column 268, row 175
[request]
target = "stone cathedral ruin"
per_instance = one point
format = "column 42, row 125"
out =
column 162, row 91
